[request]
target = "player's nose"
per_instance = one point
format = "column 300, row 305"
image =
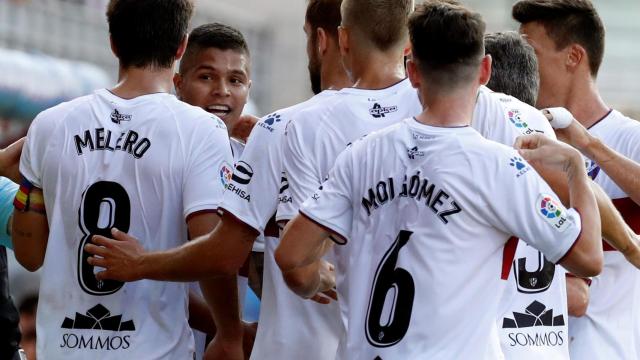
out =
column 221, row 88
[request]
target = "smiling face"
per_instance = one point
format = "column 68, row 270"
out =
column 554, row 75
column 217, row 81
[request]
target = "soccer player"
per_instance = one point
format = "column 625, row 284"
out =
column 536, row 287
column 421, row 211
column 568, row 37
column 214, row 74
column 132, row 157
column 286, row 322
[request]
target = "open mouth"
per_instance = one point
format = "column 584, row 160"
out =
column 220, row 111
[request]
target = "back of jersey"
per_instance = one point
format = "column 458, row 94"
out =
column 424, row 213
column 143, row 166
column 317, row 135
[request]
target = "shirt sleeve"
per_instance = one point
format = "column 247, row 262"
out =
column 300, row 176
column 34, row 150
column 331, row 206
column 520, row 203
column 252, row 194
column 208, row 169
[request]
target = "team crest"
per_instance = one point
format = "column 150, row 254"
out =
column 592, row 169
column 226, row 174
column 553, row 212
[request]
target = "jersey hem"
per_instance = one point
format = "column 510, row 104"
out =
column 575, row 242
column 234, row 212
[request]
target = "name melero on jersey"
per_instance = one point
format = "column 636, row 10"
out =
column 101, row 139
column 415, row 187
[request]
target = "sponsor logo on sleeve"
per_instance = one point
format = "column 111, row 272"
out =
column 553, row 212
column 519, row 165
column 379, row 111
column 243, row 173
column 226, row 174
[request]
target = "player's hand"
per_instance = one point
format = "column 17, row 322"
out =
column 10, row 161
column 326, row 291
column 540, row 150
column 243, row 127
column 570, row 131
column 120, row 258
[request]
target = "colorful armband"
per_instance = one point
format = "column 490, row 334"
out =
column 29, row 198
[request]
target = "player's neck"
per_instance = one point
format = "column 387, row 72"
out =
column 585, row 103
column 134, row 82
column 450, row 110
column 332, row 74
column 377, row 71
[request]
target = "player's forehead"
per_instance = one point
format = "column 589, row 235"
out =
column 219, row 60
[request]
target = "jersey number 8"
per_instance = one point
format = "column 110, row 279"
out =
column 110, row 200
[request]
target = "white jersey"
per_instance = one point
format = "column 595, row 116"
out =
column 144, row 166
column 432, row 209
column 286, row 321
column 533, row 316
column 320, row 133
column 611, row 327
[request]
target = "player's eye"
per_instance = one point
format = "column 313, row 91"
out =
column 205, row 77
column 237, row 81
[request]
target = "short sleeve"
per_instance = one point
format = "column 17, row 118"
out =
column 300, row 177
column 331, row 206
column 34, row 150
column 520, row 203
column 209, row 168
column 252, row 194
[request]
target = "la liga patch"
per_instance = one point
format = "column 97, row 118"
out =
column 553, row 212
column 226, row 173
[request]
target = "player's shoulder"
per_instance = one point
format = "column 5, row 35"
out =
column 57, row 114
column 525, row 118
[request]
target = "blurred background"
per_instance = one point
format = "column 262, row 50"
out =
column 55, row 50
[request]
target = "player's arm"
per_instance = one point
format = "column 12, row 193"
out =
column 221, row 294
column 206, row 256
column 299, row 256
column 30, row 229
column 622, row 170
column 614, row 229
column 577, row 295
column 585, row 257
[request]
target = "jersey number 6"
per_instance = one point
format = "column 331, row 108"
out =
column 105, row 205
column 394, row 285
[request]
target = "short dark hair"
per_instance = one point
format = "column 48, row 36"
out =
column 514, row 67
column 567, row 22
column 214, row 35
column 382, row 22
column 324, row 14
column 447, row 42
column 148, row 33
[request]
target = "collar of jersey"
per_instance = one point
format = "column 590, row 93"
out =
column 414, row 123
column 390, row 89
column 115, row 98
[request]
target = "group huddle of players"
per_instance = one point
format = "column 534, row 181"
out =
column 419, row 206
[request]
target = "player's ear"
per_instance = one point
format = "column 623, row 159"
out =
column 177, row 83
column 114, row 50
column 182, row 48
column 413, row 73
column 485, row 70
column 343, row 40
column 321, row 41
column 576, row 55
